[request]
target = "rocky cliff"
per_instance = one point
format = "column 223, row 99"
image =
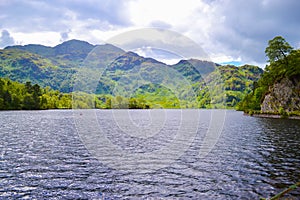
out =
column 283, row 96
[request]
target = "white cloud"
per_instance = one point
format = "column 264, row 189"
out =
column 193, row 18
column 161, row 55
column 45, row 38
column 166, row 40
column 228, row 29
column 221, row 58
column 179, row 15
column 6, row 39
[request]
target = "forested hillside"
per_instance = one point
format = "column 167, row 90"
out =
column 54, row 66
column 23, row 66
column 122, row 79
column 278, row 90
column 228, row 85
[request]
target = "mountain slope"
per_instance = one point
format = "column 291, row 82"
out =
column 54, row 66
column 23, row 66
column 198, row 66
column 44, row 51
column 108, row 70
column 72, row 53
column 227, row 85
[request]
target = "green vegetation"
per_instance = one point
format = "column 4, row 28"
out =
column 16, row 96
column 105, row 76
column 228, row 85
column 284, row 62
column 54, row 66
column 23, row 66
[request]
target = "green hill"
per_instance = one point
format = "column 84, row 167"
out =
column 67, row 54
column 54, row 66
column 109, row 71
column 23, row 66
column 71, row 53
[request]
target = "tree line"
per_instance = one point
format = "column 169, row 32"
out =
column 28, row 96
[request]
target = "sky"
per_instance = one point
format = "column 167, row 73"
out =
column 229, row 31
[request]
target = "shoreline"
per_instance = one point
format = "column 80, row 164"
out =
column 273, row 116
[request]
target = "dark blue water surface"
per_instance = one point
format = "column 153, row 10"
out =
column 42, row 156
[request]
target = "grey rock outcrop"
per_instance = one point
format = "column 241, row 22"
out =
column 282, row 96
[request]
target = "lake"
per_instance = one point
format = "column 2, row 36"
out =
column 139, row 154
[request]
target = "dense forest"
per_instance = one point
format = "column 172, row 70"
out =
column 15, row 96
column 226, row 86
column 18, row 96
column 284, row 64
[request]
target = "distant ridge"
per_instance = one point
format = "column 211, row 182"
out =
column 56, row 66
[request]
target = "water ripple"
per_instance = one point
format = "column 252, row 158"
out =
column 42, row 157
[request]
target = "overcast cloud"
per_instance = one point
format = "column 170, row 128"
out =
column 227, row 30
column 6, row 39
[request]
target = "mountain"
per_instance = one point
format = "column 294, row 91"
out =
column 108, row 70
column 197, row 66
column 54, row 66
column 131, row 67
column 219, row 87
column 187, row 69
column 129, row 60
column 71, row 53
column 34, row 48
column 75, row 48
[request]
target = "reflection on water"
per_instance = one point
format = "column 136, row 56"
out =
column 42, row 156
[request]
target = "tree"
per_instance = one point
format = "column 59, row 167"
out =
column 108, row 102
column 2, row 107
column 36, row 93
column 133, row 103
column 7, row 100
column 28, row 102
column 16, row 102
column 28, row 87
column 119, row 102
column 278, row 49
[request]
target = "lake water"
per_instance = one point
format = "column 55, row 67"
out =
column 51, row 154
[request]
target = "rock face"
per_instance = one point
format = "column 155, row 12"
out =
column 283, row 96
